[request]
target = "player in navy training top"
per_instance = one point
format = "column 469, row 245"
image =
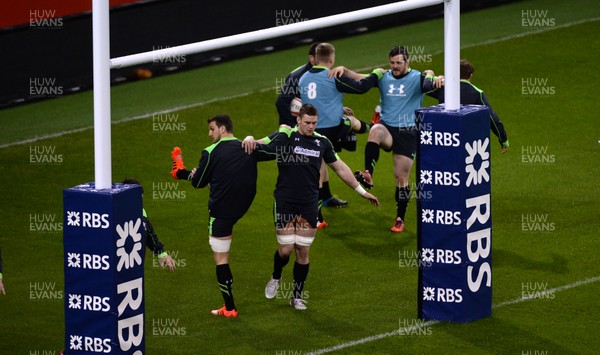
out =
column 231, row 175
column 299, row 154
column 401, row 92
column 290, row 90
column 472, row 95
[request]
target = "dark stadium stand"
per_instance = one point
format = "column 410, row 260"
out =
column 60, row 49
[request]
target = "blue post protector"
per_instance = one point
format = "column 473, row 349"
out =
column 104, row 270
column 454, row 214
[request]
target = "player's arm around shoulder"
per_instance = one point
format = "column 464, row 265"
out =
column 344, row 172
column 351, row 85
column 266, row 148
column 430, row 82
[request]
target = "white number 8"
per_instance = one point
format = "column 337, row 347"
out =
column 312, row 90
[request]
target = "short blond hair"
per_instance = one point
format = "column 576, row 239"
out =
column 324, row 52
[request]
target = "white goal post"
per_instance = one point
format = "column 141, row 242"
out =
column 103, row 63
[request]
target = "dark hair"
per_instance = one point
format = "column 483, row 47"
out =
column 399, row 50
column 307, row 109
column 466, row 69
column 313, row 48
column 222, row 120
column 324, row 51
column 132, row 181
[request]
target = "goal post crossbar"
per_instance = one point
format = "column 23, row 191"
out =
column 269, row 33
column 103, row 63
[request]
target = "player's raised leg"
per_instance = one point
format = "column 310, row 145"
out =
column 379, row 137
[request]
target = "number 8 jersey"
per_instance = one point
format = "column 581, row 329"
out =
column 327, row 94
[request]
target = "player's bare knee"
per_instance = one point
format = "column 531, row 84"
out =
column 376, row 133
column 221, row 258
column 302, row 252
column 401, row 179
column 380, row 135
column 285, row 250
column 355, row 122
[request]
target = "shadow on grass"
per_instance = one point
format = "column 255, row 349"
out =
column 495, row 335
column 501, row 258
column 373, row 240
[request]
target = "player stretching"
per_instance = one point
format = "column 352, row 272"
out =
column 300, row 153
column 401, row 92
column 231, row 174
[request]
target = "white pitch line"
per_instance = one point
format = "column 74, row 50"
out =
column 224, row 98
column 503, row 39
column 122, row 120
column 418, row 326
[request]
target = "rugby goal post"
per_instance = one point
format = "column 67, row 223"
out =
column 103, row 63
column 111, row 214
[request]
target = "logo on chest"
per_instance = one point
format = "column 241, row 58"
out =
column 307, row 152
column 396, row 91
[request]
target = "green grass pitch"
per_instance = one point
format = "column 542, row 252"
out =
column 361, row 290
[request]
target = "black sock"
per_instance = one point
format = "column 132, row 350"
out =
column 300, row 274
column 371, row 156
column 324, row 191
column 402, row 198
column 278, row 263
column 225, row 281
column 320, row 216
column 364, row 128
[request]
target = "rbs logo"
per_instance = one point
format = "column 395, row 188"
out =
column 90, row 303
column 442, row 139
column 446, row 139
column 89, row 344
column 440, row 178
column 445, row 295
column 86, row 219
column 90, row 261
